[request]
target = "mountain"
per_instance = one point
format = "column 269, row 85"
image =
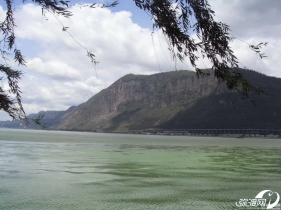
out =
column 177, row 99
column 174, row 100
column 51, row 118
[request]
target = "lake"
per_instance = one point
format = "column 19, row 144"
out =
column 73, row 170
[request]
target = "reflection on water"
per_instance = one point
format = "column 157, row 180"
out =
column 64, row 170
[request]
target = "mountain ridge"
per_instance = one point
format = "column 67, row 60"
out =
column 176, row 100
column 136, row 95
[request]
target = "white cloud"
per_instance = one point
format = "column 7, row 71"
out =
column 54, row 69
column 251, row 18
column 252, row 22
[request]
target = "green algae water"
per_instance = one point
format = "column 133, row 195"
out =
column 71, row 170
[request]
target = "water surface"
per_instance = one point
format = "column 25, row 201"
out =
column 72, row 170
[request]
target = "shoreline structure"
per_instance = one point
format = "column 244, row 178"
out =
column 237, row 133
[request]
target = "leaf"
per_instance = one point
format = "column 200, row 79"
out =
column 64, row 3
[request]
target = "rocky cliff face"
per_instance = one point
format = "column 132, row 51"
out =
column 173, row 100
column 131, row 102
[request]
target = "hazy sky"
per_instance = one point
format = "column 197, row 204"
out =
column 59, row 74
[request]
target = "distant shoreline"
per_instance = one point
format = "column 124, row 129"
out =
column 232, row 133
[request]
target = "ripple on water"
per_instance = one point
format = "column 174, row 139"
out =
column 80, row 174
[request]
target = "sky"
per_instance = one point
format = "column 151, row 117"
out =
column 58, row 73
